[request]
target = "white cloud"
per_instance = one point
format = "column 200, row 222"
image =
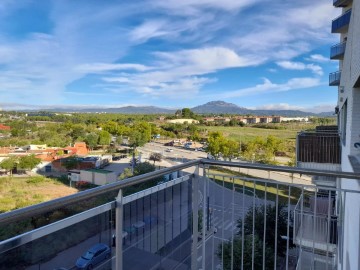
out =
column 181, row 73
column 317, row 58
column 194, row 6
column 103, row 67
column 279, row 106
column 268, row 87
column 197, row 39
column 150, row 29
column 318, row 108
column 301, row 66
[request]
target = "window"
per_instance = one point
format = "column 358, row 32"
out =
column 343, row 120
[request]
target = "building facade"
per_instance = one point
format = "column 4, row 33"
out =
column 347, row 79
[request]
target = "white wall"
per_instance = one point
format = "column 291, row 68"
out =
column 350, row 68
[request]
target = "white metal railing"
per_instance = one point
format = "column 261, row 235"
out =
column 209, row 219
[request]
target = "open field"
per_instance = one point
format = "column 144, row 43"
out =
column 261, row 190
column 19, row 192
column 245, row 134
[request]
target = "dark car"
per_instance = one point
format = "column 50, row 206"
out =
column 95, row 255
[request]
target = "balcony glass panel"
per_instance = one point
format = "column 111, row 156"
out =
column 334, row 78
column 64, row 247
column 341, row 3
column 341, row 23
column 337, row 51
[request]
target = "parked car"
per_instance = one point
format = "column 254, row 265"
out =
column 95, row 255
column 169, row 150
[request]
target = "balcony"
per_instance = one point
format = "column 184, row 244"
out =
column 341, row 3
column 334, row 78
column 249, row 217
column 319, row 147
column 315, row 223
column 337, row 51
column 341, row 23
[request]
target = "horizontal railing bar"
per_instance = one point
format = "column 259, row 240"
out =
column 33, row 210
column 27, row 237
column 308, row 187
column 263, row 167
column 36, row 209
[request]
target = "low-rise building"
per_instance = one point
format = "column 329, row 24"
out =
column 98, row 176
column 182, row 121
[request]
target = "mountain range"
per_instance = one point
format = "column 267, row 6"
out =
column 212, row 107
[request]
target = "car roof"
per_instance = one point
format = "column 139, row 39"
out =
column 97, row 247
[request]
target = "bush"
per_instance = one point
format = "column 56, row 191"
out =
column 82, row 185
column 36, row 180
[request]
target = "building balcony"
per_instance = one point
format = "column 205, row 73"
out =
column 337, row 51
column 334, row 78
column 319, row 146
column 315, row 223
column 341, row 3
column 341, row 23
column 247, row 218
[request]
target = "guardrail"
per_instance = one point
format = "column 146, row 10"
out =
column 341, row 22
column 200, row 220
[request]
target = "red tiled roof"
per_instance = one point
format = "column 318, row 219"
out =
column 3, row 127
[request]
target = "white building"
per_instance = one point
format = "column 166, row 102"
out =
column 348, row 81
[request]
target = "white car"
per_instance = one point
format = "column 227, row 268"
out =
column 169, row 150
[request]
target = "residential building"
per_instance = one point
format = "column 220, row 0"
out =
column 347, row 79
column 337, row 149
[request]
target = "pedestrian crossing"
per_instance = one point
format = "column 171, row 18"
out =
column 226, row 225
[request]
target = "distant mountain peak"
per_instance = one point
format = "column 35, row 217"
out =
column 220, row 103
column 219, row 106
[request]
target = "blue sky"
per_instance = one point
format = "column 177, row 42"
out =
column 168, row 53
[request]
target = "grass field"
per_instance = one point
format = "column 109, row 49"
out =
column 19, row 192
column 246, row 134
column 272, row 191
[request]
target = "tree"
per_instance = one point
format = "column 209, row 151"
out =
column 9, row 164
column 258, row 239
column 225, row 253
column 104, row 137
column 137, row 139
column 270, row 225
column 229, row 149
column 215, row 140
column 91, row 140
column 28, row 162
column 155, row 157
column 187, row 113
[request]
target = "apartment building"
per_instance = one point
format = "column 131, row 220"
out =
column 347, row 79
column 337, row 149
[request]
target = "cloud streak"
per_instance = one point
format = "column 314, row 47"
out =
column 301, row 66
column 269, row 87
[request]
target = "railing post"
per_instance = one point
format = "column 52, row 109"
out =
column 195, row 219
column 119, row 231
